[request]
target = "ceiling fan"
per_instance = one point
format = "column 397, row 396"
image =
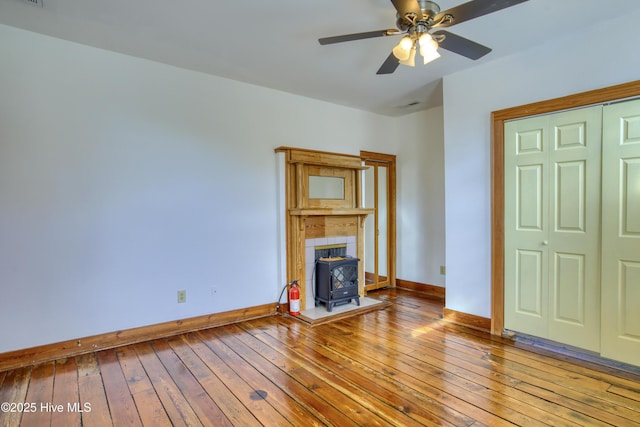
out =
column 416, row 19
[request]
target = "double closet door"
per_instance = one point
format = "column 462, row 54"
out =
column 572, row 228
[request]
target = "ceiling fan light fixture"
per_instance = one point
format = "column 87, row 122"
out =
column 402, row 51
column 428, row 47
column 430, row 56
column 411, row 60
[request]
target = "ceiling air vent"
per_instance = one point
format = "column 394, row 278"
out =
column 409, row 105
column 37, row 3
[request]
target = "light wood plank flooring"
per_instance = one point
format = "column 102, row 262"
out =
column 402, row 366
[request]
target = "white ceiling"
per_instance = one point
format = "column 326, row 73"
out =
column 274, row 43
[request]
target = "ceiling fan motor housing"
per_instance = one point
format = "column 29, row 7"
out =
column 429, row 9
column 408, row 22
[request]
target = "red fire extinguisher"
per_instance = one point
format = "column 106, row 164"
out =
column 294, row 299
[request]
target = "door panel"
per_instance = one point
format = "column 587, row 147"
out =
column 526, row 223
column 381, row 212
column 375, row 228
column 552, row 189
column 529, row 273
column 369, row 227
column 570, row 196
column 621, row 232
column 630, row 292
column 631, row 197
column 529, row 197
column 574, row 238
column 569, row 285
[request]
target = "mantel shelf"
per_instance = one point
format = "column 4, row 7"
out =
column 331, row 212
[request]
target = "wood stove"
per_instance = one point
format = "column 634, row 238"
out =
column 336, row 281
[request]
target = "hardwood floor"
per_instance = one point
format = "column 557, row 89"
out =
column 402, row 366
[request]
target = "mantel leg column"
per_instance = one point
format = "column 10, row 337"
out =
column 360, row 254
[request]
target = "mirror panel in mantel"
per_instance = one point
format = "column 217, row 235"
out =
column 326, row 187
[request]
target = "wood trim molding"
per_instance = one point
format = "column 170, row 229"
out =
column 320, row 158
column 327, row 212
column 465, row 319
column 75, row 347
column 389, row 160
column 286, row 149
column 431, row 290
column 593, row 97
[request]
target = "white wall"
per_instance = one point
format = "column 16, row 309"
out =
column 124, row 180
column 420, row 197
column 600, row 56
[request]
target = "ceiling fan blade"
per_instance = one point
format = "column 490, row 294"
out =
column 408, row 7
column 389, row 65
column 473, row 9
column 461, row 46
column 357, row 36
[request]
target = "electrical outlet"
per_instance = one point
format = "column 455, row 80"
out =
column 443, row 270
column 182, row 296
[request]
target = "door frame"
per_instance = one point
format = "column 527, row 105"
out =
column 593, row 97
column 388, row 160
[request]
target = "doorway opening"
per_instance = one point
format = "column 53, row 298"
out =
column 379, row 193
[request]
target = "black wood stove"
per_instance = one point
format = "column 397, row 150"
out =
column 336, row 281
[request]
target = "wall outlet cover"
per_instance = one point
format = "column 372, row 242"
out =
column 182, row 296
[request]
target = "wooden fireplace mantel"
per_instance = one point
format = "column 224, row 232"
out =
column 310, row 218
